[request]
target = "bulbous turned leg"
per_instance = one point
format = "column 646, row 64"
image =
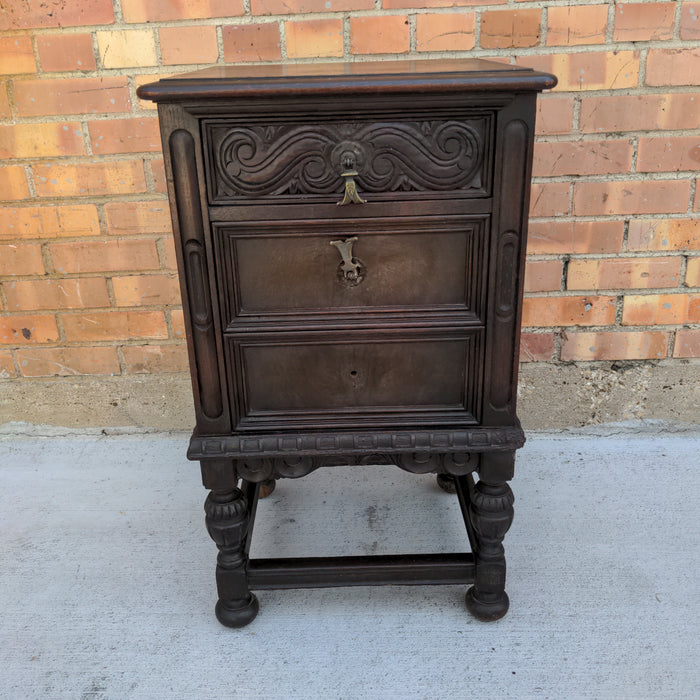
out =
column 227, row 520
column 491, row 514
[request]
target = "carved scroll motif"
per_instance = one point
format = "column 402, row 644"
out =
column 254, row 162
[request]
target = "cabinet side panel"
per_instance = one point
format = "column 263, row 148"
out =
column 507, row 259
column 180, row 150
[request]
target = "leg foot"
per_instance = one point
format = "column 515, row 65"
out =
column 487, row 611
column 237, row 617
column 228, row 522
column 490, row 516
column 267, row 487
column 446, row 483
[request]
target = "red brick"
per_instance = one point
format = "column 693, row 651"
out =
column 103, row 256
column 21, row 260
column 645, row 345
column 133, row 135
column 624, row 273
column 640, row 112
column 128, row 218
column 159, row 11
column 7, row 366
column 568, row 311
column 146, row 290
column 445, row 32
column 180, row 45
column 543, row 275
column 638, row 197
column 420, row 4
column 555, row 115
column 536, row 347
column 158, row 169
column 252, row 42
column 668, row 154
column 573, row 26
column 170, row 256
column 660, row 309
column 582, row 157
column 178, row 322
column 5, row 110
column 118, row 48
column 114, row 325
column 689, row 29
column 50, row 222
column 314, row 38
column 148, row 359
column 505, row 29
column 25, row 330
column 649, row 21
column 687, row 343
column 664, row 234
column 23, row 14
column 305, row 7
column 71, row 96
column 34, row 295
column 599, row 70
column 67, row 362
column 65, row 52
column 382, row 34
column 41, row 140
column 13, row 183
column 549, row 199
column 692, row 273
column 673, row 67
column 89, row 179
column 16, row 54
column 578, row 237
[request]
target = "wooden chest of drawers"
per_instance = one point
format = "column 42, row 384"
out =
column 350, row 242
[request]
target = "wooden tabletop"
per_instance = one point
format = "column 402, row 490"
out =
column 427, row 75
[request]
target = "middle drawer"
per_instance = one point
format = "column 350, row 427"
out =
column 317, row 269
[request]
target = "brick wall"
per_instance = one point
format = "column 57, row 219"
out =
column 87, row 270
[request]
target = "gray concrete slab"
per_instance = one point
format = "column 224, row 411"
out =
column 107, row 587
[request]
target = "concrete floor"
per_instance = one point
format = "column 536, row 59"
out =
column 107, row 586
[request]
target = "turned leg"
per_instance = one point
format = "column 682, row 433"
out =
column 228, row 521
column 491, row 514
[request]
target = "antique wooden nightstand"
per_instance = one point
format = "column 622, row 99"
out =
column 351, row 244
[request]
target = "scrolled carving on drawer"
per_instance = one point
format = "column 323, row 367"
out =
column 285, row 160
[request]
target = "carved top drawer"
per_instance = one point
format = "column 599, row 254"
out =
column 312, row 160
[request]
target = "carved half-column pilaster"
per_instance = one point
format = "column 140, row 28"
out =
column 227, row 520
column 491, row 514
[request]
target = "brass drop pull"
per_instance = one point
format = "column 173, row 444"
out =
column 351, row 270
column 349, row 174
column 351, row 196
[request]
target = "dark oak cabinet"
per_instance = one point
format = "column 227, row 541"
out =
column 351, row 242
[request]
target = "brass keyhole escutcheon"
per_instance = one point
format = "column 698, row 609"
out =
column 351, row 270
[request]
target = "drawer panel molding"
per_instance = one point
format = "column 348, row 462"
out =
column 296, row 270
column 308, row 161
column 289, row 380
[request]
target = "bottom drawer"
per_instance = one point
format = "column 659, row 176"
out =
column 328, row 379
